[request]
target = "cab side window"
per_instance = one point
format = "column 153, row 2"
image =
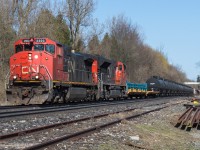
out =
column 120, row 67
column 18, row 48
column 50, row 48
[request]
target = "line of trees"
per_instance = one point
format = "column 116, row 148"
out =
column 123, row 42
column 66, row 21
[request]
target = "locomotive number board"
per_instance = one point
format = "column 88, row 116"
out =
column 40, row 40
column 36, row 40
column 26, row 41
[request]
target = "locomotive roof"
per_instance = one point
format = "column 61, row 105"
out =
column 42, row 38
column 102, row 60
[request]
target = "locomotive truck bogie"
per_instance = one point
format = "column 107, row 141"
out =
column 25, row 95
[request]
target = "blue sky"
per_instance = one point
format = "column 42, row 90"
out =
column 170, row 25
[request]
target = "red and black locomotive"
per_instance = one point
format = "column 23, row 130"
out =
column 45, row 71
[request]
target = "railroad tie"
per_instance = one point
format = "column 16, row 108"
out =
column 189, row 119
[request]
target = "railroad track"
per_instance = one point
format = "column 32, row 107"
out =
column 13, row 107
column 49, row 109
column 80, row 133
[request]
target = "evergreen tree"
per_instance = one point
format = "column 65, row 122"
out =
column 55, row 28
column 106, row 46
column 93, row 45
column 62, row 32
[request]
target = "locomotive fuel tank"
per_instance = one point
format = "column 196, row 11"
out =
column 76, row 94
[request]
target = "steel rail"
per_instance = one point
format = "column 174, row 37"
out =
column 65, row 104
column 41, row 106
column 18, row 106
column 189, row 119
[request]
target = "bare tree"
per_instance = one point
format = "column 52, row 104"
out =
column 23, row 12
column 126, row 43
column 105, row 46
column 78, row 15
column 7, row 33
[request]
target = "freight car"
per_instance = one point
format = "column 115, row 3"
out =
column 45, row 71
column 140, row 90
column 167, row 87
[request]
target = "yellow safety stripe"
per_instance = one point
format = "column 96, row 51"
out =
column 132, row 91
column 27, row 81
column 80, row 83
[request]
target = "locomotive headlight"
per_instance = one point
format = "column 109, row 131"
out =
column 36, row 56
column 14, row 77
column 29, row 56
column 36, row 77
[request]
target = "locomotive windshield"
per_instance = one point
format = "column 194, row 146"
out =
column 27, row 47
column 39, row 47
column 50, row 48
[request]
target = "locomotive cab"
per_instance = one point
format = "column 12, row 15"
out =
column 33, row 60
column 120, row 76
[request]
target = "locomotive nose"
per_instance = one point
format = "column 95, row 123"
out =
column 29, row 67
column 26, row 57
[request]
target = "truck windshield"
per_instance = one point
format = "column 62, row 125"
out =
column 39, row 47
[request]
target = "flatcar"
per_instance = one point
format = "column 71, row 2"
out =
column 137, row 90
column 140, row 90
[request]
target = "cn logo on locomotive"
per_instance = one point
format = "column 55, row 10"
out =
column 28, row 69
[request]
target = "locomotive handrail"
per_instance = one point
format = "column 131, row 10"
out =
column 8, row 76
column 49, row 75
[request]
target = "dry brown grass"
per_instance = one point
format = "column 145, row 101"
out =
column 156, row 131
column 160, row 135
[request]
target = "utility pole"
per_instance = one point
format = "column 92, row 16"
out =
column 198, row 80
